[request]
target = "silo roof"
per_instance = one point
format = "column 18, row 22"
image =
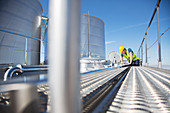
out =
column 95, row 17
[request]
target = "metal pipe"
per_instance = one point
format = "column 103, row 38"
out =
column 9, row 73
column 7, row 31
column 159, row 40
column 19, row 68
column 64, row 55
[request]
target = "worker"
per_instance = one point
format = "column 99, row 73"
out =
column 129, row 55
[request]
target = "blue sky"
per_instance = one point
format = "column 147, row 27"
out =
column 126, row 22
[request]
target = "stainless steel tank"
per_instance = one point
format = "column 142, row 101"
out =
column 92, row 37
column 19, row 19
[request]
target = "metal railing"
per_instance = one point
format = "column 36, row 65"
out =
column 140, row 50
column 157, row 39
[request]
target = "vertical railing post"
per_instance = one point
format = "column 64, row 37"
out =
column 159, row 40
column 146, row 59
column 139, row 56
column 142, row 53
column 26, row 49
column 64, row 55
column 139, row 53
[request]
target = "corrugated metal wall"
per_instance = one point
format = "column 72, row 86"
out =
column 20, row 17
column 92, row 37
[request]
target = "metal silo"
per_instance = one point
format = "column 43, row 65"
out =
column 92, row 37
column 20, row 19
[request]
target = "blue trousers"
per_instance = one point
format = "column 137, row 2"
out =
column 135, row 63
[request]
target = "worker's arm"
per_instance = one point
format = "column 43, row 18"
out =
column 121, row 59
column 131, row 57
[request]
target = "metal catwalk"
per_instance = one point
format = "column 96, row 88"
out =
column 143, row 90
column 126, row 89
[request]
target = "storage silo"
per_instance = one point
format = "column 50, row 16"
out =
column 20, row 19
column 92, row 37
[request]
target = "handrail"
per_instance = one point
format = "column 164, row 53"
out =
column 157, row 5
column 156, row 10
column 160, row 36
